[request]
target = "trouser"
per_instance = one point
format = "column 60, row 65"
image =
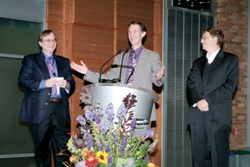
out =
column 51, row 134
column 210, row 138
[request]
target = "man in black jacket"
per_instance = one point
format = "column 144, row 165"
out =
column 49, row 83
column 210, row 84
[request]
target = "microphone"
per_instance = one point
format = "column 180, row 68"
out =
column 119, row 79
column 116, row 65
column 103, row 80
column 123, row 66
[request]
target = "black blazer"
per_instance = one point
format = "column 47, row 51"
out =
column 217, row 89
column 35, row 101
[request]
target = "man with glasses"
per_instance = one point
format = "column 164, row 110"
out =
column 49, row 83
column 210, row 85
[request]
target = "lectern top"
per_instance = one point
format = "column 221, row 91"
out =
column 155, row 96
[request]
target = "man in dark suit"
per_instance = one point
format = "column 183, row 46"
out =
column 210, row 84
column 49, row 83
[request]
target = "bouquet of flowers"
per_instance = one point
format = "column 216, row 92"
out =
column 107, row 139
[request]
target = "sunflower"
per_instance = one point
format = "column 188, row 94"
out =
column 102, row 157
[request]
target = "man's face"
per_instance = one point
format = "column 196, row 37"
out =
column 48, row 44
column 208, row 41
column 135, row 35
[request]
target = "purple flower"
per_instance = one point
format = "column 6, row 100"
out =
column 89, row 140
column 121, row 149
column 109, row 112
column 151, row 146
column 100, row 147
column 99, row 112
column 104, row 125
column 121, row 113
column 79, row 142
column 133, row 124
column 124, row 142
column 148, row 133
column 131, row 162
column 109, row 160
column 80, row 164
column 81, row 119
column 82, row 130
column 97, row 119
column 89, row 147
column 116, row 138
column 75, row 137
column 107, row 148
column 89, row 115
column 87, row 136
column 109, row 109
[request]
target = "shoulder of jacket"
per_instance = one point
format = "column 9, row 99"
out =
column 229, row 54
column 150, row 52
column 61, row 57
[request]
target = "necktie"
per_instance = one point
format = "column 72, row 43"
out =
column 132, row 63
column 52, row 74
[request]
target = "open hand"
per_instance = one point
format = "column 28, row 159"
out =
column 83, row 69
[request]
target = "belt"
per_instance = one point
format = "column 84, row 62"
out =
column 55, row 99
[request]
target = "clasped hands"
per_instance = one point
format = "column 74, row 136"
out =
column 203, row 105
column 62, row 83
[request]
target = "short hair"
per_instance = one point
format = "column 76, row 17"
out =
column 44, row 34
column 216, row 32
column 142, row 26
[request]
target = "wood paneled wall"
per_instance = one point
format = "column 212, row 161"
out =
column 93, row 30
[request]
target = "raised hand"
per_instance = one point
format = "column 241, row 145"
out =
column 83, row 69
column 160, row 74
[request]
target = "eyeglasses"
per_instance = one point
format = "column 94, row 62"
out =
column 204, row 37
column 49, row 40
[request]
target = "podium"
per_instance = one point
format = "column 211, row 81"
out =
column 106, row 93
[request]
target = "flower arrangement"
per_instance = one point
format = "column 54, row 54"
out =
column 107, row 139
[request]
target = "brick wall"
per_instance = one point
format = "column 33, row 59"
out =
column 232, row 18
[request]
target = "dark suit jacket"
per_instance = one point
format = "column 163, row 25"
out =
column 35, row 101
column 218, row 88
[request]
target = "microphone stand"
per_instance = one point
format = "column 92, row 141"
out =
column 100, row 80
column 133, row 69
column 124, row 66
column 119, row 79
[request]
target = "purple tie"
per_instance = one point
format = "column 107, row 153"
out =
column 133, row 63
column 52, row 74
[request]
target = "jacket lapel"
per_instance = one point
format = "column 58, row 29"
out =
column 202, row 66
column 140, row 61
column 217, row 60
column 42, row 64
column 59, row 66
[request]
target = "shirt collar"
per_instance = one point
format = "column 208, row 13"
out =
column 47, row 57
column 137, row 51
column 212, row 56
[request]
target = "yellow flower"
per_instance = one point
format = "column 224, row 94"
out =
column 151, row 165
column 97, row 128
column 85, row 152
column 102, row 157
column 72, row 158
